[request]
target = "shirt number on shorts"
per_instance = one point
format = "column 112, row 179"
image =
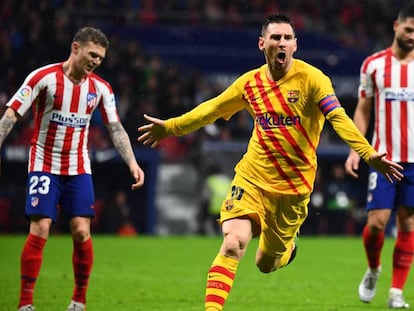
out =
column 39, row 184
column 237, row 192
column 372, row 180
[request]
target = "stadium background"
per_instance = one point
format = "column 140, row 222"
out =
column 164, row 58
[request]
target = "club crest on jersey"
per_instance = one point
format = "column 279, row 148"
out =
column 228, row 204
column 34, row 201
column 91, row 99
column 293, row 96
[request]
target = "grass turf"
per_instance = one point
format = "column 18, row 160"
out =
column 169, row 273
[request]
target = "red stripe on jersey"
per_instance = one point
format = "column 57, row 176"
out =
column 272, row 158
column 403, row 116
column 38, row 110
column 286, row 133
column 376, row 123
column 102, row 111
column 41, row 74
column 67, row 143
column 388, row 106
column 51, row 132
column 283, row 130
column 268, row 152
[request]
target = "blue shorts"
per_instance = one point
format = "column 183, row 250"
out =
column 48, row 193
column 384, row 195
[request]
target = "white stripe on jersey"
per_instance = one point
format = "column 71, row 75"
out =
column 392, row 86
column 62, row 113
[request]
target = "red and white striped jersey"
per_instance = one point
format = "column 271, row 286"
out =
column 62, row 112
column 391, row 84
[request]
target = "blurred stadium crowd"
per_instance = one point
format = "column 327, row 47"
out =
column 37, row 32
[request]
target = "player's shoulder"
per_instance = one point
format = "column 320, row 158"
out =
column 377, row 55
column 46, row 69
column 251, row 73
column 307, row 69
column 99, row 81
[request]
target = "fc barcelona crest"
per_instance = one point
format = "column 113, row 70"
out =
column 293, row 96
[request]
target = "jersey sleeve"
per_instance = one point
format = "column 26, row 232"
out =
column 223, row 106
column 366, row 83
column 22, row 100
column 349, row 133
column 107, row 105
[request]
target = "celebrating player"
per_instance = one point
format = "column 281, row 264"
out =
column 63, row 97
column 289, row 101
column 387, row 84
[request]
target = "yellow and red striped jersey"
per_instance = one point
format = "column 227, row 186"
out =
column 289, row 116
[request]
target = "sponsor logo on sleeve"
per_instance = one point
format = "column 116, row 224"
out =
column 24, row 93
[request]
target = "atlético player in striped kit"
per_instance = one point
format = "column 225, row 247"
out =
column 63, row 97
column 387, row 88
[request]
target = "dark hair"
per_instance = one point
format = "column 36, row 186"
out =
column 279, row 19
column 406, row 11
column 90, row 34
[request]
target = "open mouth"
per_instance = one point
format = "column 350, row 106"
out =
column 281, row 56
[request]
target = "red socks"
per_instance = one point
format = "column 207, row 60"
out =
column 402, row 258
column 373, row 246
column 82, row 260
column 30, row 263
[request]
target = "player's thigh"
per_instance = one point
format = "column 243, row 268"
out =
column 381, row 194
column 43, row 194
column 78, row 196
column 283, row 221
column 405, row 188
column 244, row 201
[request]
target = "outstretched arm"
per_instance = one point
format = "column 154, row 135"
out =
column 122, row 144
column 349, row 133
column 7, row 122
column 153, row 132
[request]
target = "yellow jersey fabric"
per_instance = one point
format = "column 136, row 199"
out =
column 289, row 116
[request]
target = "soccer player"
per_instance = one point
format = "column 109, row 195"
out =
column 63, row 97
column 387, row 88
column 268, row 197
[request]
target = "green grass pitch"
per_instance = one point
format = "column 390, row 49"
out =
column 169, row 273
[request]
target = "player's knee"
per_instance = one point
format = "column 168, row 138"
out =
column 267, row 265
column 40, row 226
column 377, row 227
column 234, row 246
column 80, row 234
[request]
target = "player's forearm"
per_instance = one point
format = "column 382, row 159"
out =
column 222, row 106
column 350, row 134
column 7, row 122
column 121, row 142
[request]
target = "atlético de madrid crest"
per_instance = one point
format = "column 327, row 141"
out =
column 293, row 96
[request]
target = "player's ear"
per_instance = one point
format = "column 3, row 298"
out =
column 261, row 44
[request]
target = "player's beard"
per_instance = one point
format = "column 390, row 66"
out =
column 404, row 46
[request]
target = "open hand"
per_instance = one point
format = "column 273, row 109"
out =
column 390, row 169
column 153, row 132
